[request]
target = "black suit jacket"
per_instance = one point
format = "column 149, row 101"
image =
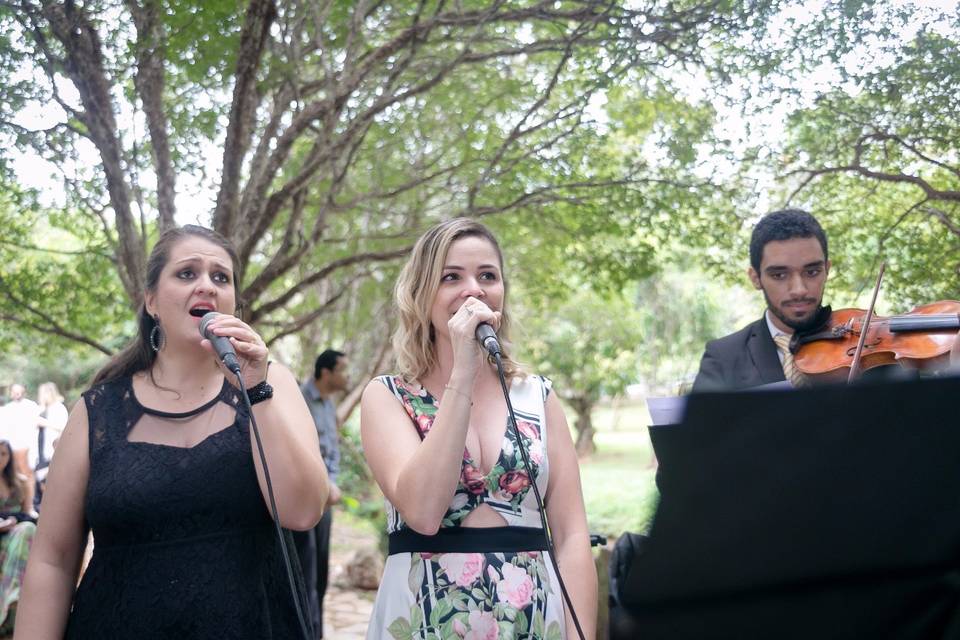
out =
column 747, row 358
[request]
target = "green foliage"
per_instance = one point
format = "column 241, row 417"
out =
column 875, row 155
column 681, row 309
column 585, row 344
column 55, row 271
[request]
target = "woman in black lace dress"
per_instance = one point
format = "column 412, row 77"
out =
column 158, row 460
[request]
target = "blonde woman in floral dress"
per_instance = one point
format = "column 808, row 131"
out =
column 467, row 558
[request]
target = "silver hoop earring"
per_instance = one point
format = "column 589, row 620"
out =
column 157, row 339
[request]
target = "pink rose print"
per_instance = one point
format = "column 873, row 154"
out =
column 516, row 588
column 536, row 452
column 459, row 628
column 472, row 479
column 492, row 574
column 483, row 626
column 462, row 568
column 514, row 481
column 528, row 429
column 424, row 422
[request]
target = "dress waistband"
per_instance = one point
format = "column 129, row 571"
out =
column 469, row 540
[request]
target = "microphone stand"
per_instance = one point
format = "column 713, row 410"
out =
column 541, row 510
column 228, row 357
column 273, row 506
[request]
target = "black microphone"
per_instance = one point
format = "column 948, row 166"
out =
column 221, row 344
column 488, row 338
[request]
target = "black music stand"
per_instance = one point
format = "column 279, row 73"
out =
column 820, row 513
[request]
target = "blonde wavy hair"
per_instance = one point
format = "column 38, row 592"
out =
column 416, row 289
column 48, row 394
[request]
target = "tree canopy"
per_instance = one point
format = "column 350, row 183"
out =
column 341, row 130
column 595, row 136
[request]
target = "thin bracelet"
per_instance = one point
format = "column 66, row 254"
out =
column 458, row 391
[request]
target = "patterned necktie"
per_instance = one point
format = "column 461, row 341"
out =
column 790, row 371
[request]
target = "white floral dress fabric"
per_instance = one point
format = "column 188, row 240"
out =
column 476, row 596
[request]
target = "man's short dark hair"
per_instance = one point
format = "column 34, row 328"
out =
column 785, row 224
column 326, row 360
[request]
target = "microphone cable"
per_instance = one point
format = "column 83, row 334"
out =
column 295, row 592
column 541, row 509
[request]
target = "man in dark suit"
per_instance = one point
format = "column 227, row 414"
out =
column 789, row 264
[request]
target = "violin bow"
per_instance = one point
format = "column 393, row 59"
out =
column 855, row 364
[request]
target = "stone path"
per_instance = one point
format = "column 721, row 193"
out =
column 346, row 611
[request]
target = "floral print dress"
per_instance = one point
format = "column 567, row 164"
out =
column 14, row 547
column 476, row 596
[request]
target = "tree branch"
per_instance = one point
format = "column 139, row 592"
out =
column 150, row 81
column 51, row 327
column 301, row 322
column 84, row 65
column 951, row 226
column 856, row 166
column 259, row 16
column 326, row 270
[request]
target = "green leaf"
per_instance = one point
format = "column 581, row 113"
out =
column 415, row 576
column 521, row 623
column 553, row 631
column 400, row 629
column 537, row 628
column 416, row 617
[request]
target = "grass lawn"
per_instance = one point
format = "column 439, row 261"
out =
column 618, row 480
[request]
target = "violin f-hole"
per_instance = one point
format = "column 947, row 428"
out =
column 867, row 345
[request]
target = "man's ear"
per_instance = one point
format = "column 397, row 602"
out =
column 754, row 277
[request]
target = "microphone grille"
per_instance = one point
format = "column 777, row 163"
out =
column 206, row 320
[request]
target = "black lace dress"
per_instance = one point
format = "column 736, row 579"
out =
column 184, row 546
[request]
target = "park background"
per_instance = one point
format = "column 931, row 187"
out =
column 621, row 151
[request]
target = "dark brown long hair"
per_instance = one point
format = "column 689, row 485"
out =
column 138, row 355
column 9, row 474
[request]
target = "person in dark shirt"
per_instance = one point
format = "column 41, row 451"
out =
column 313, row 546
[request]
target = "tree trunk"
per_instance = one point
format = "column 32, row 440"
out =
column 584, row 427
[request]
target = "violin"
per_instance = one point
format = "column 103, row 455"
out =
column 920, row 339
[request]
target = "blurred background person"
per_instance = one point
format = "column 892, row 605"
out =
column 51, row 421
column 313, row 546
column 19, row 426
column 50, row 424
column 16, row 534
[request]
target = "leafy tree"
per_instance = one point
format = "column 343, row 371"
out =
column 587, row 346
column 883, row 155
column 680, row 309
column 343, row 129
column 849, row 112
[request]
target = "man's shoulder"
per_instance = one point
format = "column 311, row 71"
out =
column 737, row 338
column 309, row 390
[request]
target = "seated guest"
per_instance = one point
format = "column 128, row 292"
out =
column 16, row 534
